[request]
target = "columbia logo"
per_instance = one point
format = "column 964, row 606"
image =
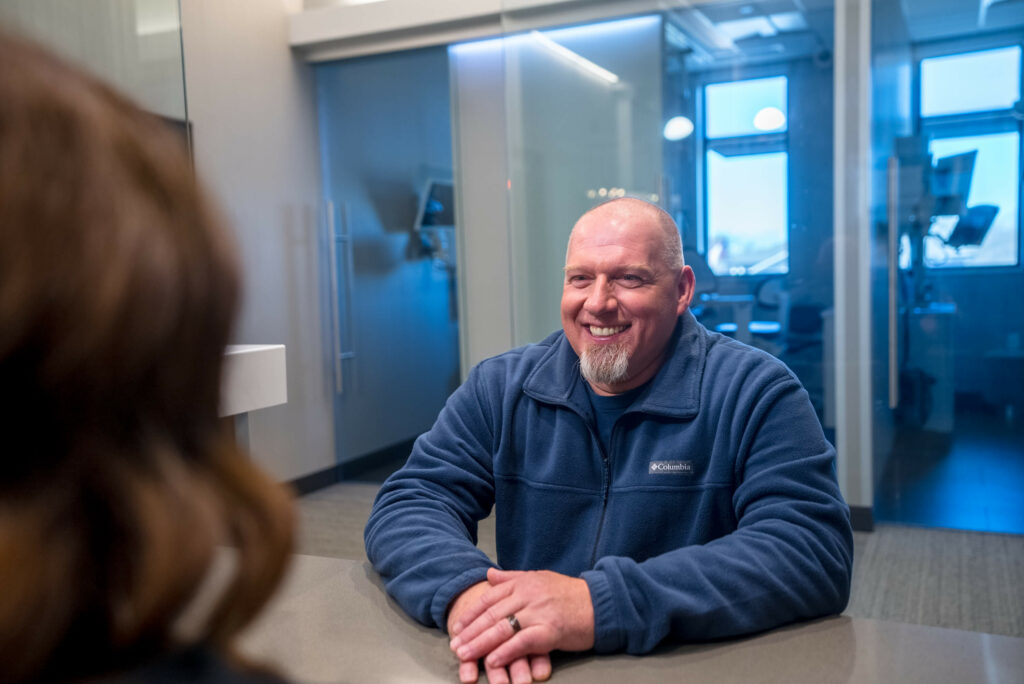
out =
column 670, row 468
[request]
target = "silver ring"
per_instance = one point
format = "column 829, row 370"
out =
column 514, row 621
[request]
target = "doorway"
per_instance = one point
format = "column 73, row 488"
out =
column 947, row 217
column 386, row 152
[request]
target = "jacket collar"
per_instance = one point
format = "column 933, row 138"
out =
column 673, row 392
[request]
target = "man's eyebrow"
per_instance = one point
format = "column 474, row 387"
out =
column 641, row 268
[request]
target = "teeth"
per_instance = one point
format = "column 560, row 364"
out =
column 606, row 332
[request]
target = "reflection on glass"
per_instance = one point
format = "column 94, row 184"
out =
column 677, row 128
column 585, row 122
column 970, row 82
column 732, row 108
column 994, row 182
column 134, row 45
column 747, row 168
column 770, row 119
column 747, row 213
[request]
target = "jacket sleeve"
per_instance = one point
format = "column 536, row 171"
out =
column 422, row 532
column 789, row 558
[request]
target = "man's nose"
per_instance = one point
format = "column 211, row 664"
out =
column 601, row 298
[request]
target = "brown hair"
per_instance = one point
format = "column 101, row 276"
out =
column 118, row 287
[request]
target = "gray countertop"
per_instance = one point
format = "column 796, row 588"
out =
column 332, row 622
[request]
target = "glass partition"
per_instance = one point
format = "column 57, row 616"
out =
column 583, row 123
column 721, row 112
column 946, row 122
column 135, row 45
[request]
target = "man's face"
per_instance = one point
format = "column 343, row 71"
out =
column 620, row 298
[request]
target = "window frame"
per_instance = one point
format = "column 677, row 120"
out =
column 977, row 123
column 741, row 145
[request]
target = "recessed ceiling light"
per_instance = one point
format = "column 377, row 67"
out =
column 769, row 119
column 677, row 128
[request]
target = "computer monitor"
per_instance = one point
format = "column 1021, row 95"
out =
column 437, row 205
column 973, row 226
column 435, row 222
column 951, row 183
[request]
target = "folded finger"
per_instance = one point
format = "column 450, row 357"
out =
column 496, row 616
column 475, row 610
column 469, row 671
column 496, row 675
column 540, row 667
column 530, row 641
column 519, row 671
column 485, row 641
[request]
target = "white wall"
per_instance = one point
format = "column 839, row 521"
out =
column 480, row 153
column 255, row 133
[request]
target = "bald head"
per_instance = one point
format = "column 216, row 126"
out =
column 625, row 288
column 630, row 210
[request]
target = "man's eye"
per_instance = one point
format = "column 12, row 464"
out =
column 578, row 280
column 631, row 280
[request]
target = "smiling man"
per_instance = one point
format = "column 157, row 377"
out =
column 651, row 480
column 625, row 287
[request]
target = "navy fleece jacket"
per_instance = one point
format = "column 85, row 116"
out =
column 714, row 513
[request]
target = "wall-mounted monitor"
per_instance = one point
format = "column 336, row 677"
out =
column 951, row 183
column 973, row 226
column 437, row 205
column 435, row 222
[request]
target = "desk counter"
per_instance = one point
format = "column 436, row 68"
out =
column 332, row 622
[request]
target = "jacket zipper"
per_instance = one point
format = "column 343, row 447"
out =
column 606, row 485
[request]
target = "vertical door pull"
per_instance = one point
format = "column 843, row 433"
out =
column 893, row 188
column 334, row 299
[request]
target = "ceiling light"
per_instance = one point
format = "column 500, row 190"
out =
column 788, row 21
column 738, row 29
column 769, row 119
column 575, row 58
column 677, row 128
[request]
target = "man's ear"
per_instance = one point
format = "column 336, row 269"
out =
column 686, row 284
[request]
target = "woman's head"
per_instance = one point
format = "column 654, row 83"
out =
column 118, row 287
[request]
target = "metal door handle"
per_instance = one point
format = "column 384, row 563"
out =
column 335, row 323
column 893, row 198
column 345, row 239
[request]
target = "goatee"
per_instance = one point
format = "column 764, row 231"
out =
column 605, row 364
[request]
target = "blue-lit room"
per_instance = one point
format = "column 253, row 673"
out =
column 745, row 163
column 404, row 181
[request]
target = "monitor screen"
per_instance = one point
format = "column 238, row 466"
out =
column 973, row 226
column 951, row 182
column 437, row 205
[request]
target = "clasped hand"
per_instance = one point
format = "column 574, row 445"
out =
column 554, row 612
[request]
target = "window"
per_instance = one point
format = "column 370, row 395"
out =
column 746, row 167
column 970, row 82
column 966, row 113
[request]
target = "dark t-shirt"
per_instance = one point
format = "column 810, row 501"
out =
column 608, row 409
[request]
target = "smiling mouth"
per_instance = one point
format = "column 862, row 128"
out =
column 598, row 331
